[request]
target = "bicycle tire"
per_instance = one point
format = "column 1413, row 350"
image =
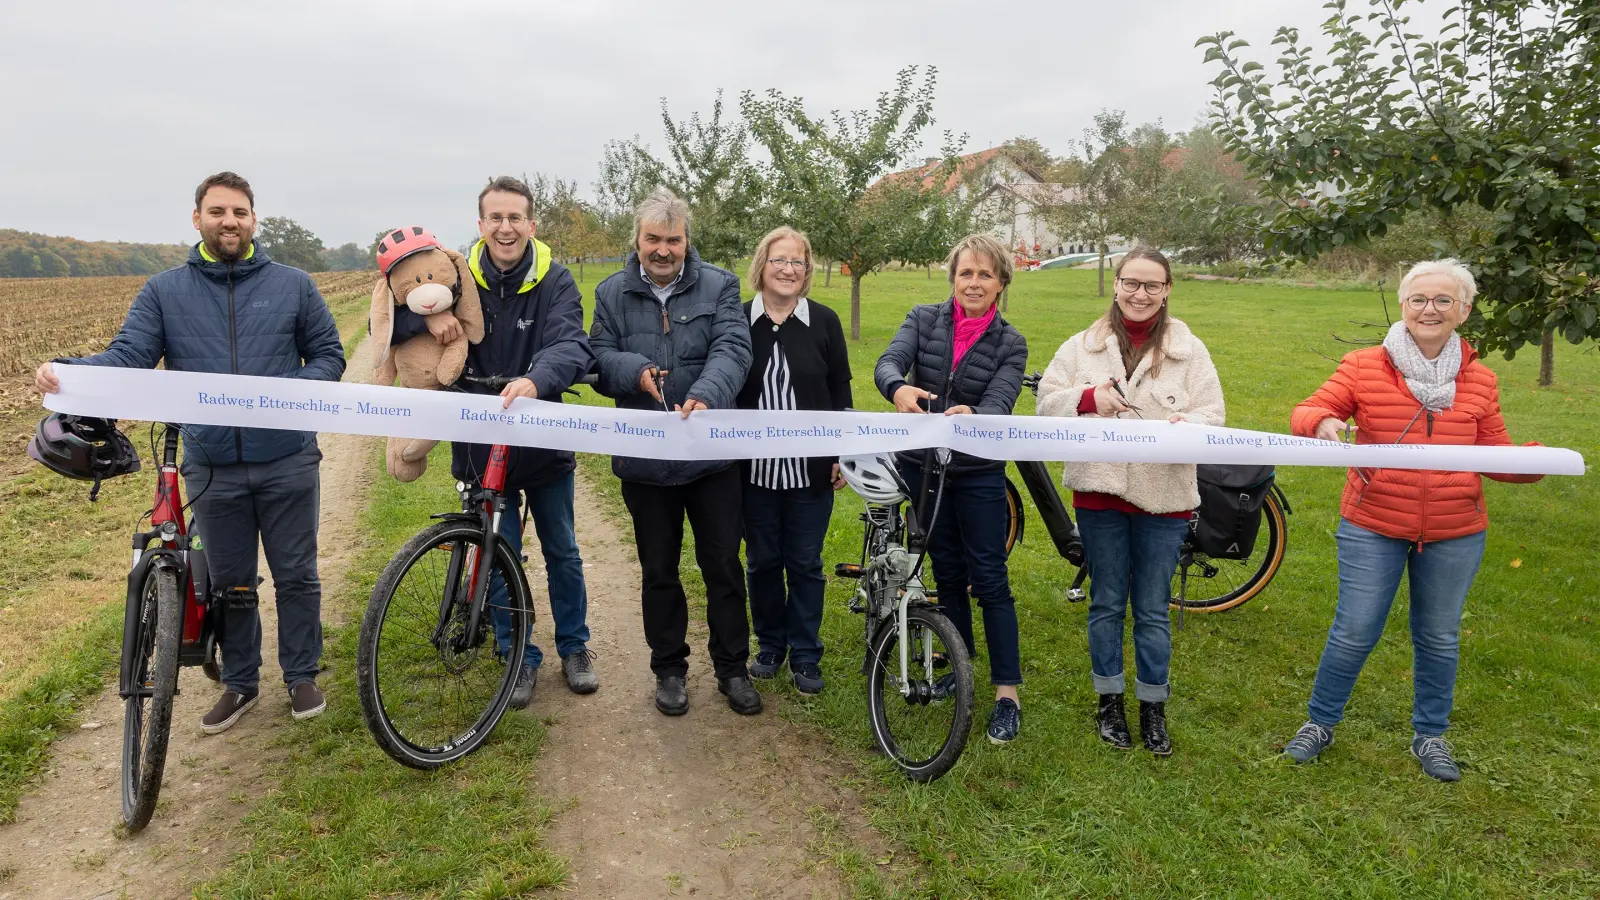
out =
column 1016, row 516
column 1276, row 523
column 392, row 737
column 145, row 732
column 884, row 659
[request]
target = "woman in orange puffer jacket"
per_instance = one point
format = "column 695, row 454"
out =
column 1424, row 385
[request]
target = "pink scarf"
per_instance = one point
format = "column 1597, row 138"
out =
column 968, row 330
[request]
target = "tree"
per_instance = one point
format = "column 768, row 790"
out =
column 555, row 206
column 345, row 258
column 708, row 166
column 828, row 175
column 1499, row 111
column 1029, row 153
column 1209, row 204
column 288, row 242
column 1097, row 182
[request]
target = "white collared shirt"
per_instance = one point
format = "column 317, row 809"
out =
column 802, row 310
column 662, row 293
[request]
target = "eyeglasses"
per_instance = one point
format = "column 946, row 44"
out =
column 1132, row 286
column 517, row 220
column 1442, row 303
column 781, row 263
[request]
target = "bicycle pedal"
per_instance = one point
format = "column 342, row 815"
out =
column 848, row 570
column 1077, row 595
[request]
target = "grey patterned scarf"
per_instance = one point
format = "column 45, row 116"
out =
column 1432, row 381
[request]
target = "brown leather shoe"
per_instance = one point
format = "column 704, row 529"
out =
column 306, row 700
column 231, row 706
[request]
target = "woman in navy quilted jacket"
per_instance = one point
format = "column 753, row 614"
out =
column 957, row 358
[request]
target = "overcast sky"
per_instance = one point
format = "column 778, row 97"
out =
column 351, row 116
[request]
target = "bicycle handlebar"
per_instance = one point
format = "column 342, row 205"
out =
column 500, row 381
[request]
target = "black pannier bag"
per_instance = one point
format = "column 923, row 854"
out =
column 1230, row 509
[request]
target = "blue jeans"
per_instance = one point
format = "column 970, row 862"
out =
column 1131, row 557
column 783, row 534
column 1370, row 566
column 968, row 550
column 550, row 506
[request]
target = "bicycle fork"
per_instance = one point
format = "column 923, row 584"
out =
column 471, row 559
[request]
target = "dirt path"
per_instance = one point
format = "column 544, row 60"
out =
column 65, row 842
column 711, row 804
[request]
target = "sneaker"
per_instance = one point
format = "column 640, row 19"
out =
column 807, row 678
column 944, row 687
column 579, row 672
column 230, row 707
column 306, row 701
column 1308, row 742
column 1111, row 722
column 672, row 696
column 743, row 698
column 1153, row 728
column 522, row 691
column 1434, row 754
column 766, row 664
column 1005, row 721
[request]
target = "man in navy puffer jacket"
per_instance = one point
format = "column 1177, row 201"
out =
column 231, row 309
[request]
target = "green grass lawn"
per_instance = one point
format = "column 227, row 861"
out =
column 1059, row 814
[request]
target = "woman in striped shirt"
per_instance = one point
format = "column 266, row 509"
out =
column 799, row 361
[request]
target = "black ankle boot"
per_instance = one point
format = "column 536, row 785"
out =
column 1153, row 728
column 1111, row 721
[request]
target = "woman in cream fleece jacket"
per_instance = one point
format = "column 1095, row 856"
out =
column 1136, row 361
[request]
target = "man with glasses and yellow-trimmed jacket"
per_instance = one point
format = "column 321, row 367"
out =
column 533, row 327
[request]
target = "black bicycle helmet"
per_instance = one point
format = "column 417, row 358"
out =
column 83, row 448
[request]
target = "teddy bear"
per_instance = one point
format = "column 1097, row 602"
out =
column 423, row 275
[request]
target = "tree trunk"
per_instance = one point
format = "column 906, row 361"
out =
column 580, row 269
column 855, row 304
column 1005, row 295
column 827, row 278
column 930, row 272
column 1102, row 269
column 1547, row 358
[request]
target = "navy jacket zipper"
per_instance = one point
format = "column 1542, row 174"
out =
column 233, row 352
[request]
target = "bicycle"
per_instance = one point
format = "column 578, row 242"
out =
column 170, row 621
column 1224, row 583
column 909, row 641
column 430, row 691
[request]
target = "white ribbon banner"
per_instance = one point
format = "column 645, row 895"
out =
column 255, row 402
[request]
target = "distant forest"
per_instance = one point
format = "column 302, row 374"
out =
column 24, row 254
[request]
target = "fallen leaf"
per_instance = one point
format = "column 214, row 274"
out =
column 1516, row 563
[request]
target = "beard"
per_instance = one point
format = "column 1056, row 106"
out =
column 213, row 241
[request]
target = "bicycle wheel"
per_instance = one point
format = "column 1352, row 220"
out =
column 1016, row 517
column 147, row 711
column 1218, row 585
column 924, row 729
column 430, row 702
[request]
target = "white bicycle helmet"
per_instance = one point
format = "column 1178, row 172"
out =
column 873, row 476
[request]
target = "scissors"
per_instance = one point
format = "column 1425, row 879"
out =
column 1116, row 385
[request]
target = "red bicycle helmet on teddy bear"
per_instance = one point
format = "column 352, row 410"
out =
column 401, row 243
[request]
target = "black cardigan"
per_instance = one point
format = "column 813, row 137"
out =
column 819, row 369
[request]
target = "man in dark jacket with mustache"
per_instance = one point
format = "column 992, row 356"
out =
column 670, row 333
column 231, row 309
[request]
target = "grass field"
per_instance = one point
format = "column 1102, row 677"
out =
column 1059, row 814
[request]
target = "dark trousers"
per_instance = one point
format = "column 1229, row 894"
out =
column 276, row 503
column 712, row 505
column 968, row 550
column 783, row 535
